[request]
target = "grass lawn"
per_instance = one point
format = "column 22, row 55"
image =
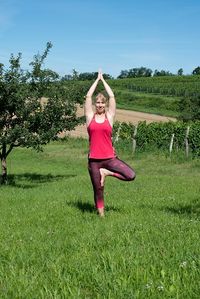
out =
column 53, row 244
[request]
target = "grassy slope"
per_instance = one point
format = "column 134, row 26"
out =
column 53, row 245
column 144, row 102
column 163, row 104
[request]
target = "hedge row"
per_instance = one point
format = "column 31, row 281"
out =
column 159, row 135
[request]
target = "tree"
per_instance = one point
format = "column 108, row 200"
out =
column 162, row 73
column 28, row 119
column 87, row 76
column 74, row 74
column 180, row 72
column 144, row 72
column 123, row 74
column 92, row 76
column 67, row 77
column 84, row 76
column 135, row 73
column 196, row 71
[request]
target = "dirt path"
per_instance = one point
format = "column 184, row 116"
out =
column 122, row 116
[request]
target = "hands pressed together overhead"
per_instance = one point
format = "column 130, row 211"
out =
column 100, row 75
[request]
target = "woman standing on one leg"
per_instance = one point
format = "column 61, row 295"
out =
column 102, row 160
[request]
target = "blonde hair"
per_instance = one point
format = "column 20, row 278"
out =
column 102, row 97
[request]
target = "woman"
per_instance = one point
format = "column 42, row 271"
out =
column 102, row 160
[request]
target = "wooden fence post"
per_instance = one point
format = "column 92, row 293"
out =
column 117, row 134
column 171, row 143
column 186, row 142
column 134, row 140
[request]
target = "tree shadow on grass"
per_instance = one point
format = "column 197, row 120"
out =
column 190, row 210
column 86, row 207
column 31, row 180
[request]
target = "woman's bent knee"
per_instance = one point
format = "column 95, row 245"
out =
column 132, row 176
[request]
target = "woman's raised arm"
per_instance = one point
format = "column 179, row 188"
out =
column 112, row 102
column 88, row 101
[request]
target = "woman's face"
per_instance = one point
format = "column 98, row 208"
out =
column 100, row 106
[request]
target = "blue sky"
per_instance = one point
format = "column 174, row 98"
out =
column 108, row 34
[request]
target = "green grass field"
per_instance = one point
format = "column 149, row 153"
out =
column 147, row 102
column 53, row 244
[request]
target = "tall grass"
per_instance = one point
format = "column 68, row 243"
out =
column 53, row 244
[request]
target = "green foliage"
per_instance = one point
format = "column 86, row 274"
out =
column 196, row 71
column 27, row 118
column 123, row 129
column 190, row 108
column 83, row 76
column 135, row 73
column 194, row 138
column 162, row 73
column 158, row 135
column 180, row 72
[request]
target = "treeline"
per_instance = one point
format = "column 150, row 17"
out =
column 147, row 72
column 140, row 72
column 83, row 76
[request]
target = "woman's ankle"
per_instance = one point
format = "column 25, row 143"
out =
column 101, row 212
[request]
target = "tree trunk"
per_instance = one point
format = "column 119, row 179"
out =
column 3, row 165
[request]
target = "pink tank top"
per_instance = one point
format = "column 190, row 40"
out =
column 100, row 140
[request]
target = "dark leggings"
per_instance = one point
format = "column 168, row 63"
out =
column 120, row 170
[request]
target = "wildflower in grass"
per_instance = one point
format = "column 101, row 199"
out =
column 183, row 264
column 194, row 264
column 148, row 285
column 160, row 288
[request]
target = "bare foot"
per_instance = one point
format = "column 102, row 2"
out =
column 104, row 172
column 101, row 212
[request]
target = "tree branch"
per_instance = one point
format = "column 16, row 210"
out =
column 10, row 149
